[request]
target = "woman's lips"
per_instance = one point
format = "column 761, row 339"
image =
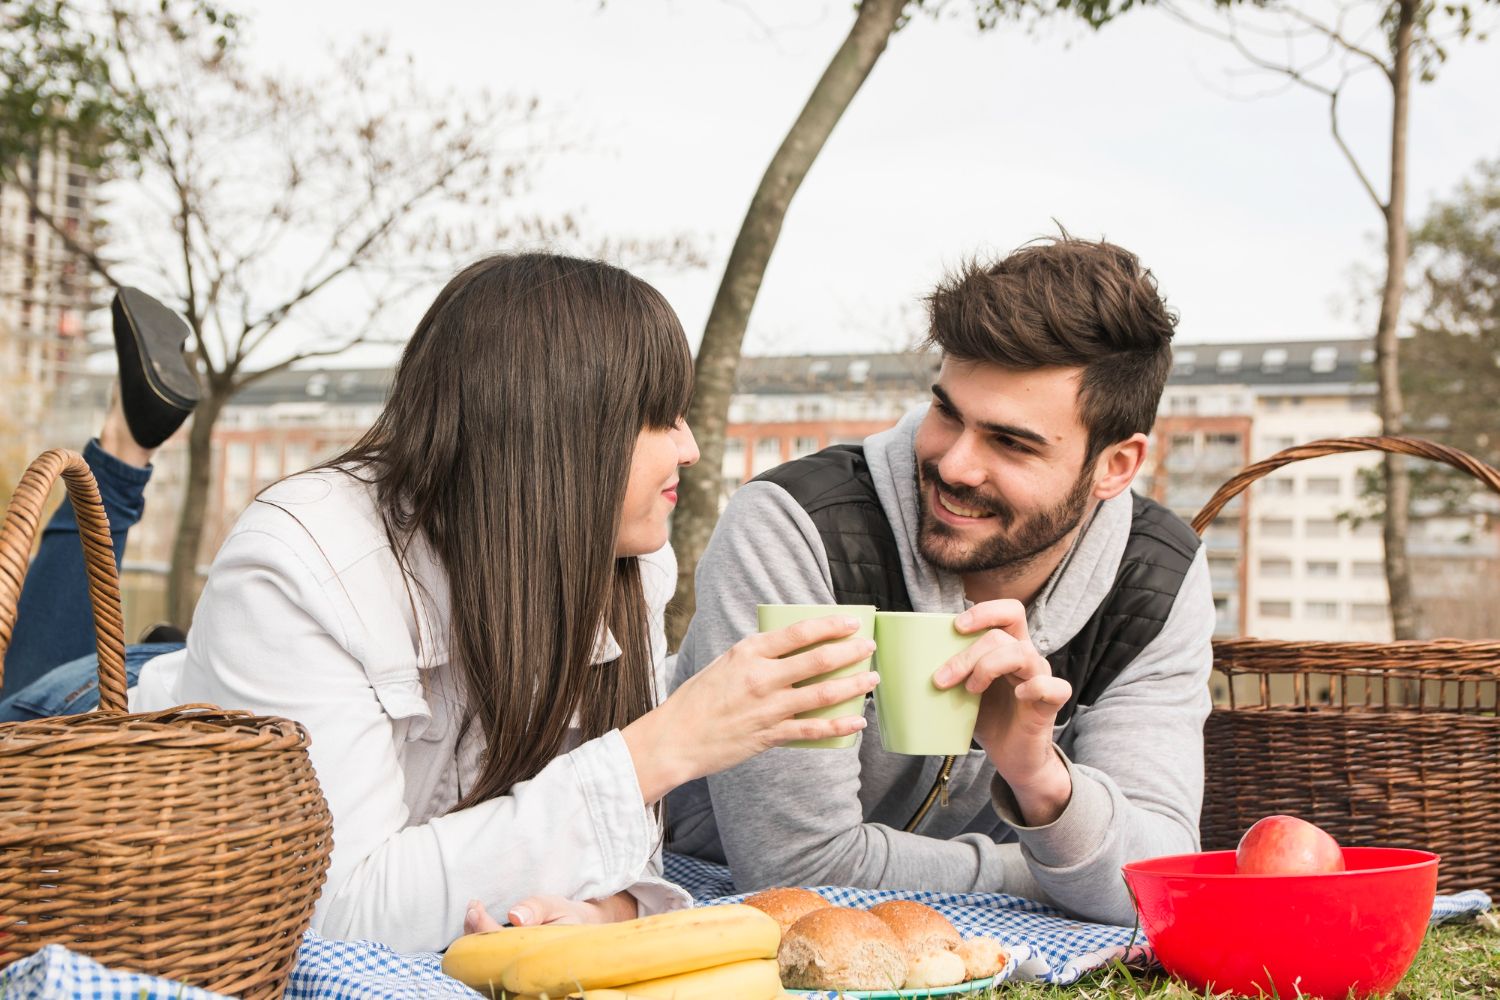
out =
column 670, row 493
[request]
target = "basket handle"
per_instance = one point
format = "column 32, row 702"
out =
column 1416, row 447
column 21, row 520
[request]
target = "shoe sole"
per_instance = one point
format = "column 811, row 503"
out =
column 156, row 330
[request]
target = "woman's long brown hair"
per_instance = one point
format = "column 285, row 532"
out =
column 506, row 443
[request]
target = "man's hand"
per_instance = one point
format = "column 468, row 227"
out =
column 1019, row 708
column 538, row 910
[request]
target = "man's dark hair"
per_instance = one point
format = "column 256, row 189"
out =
column 1066, row 303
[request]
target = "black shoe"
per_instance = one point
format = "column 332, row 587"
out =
column 163, row 633
column 157, row 387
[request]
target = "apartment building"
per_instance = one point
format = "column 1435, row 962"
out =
column 1314, row 568
column 46, row 293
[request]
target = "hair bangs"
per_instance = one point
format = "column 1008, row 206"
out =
column 665, row 376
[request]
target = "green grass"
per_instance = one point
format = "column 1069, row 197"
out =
column 1458, row 960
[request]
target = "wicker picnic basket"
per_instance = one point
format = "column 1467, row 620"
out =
column 1392, row 744
column 189, row 844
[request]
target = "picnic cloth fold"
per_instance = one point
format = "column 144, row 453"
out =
column 1048, row 946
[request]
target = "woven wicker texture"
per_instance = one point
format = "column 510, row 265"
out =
column 1382, row 744
column 190, row 844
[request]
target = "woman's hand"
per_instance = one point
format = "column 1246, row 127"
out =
column 538, row 910
column 744, row 702
column 1019, row 708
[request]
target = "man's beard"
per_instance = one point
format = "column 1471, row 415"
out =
column 1018, row 541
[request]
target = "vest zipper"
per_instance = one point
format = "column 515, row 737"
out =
column 939, row 790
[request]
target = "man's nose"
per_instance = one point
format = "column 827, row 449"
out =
column 960, row 464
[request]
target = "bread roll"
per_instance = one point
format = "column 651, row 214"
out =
column 983, row 957
column 835, row 948
column 918, row 927
column 935, row 968
column 787, row 906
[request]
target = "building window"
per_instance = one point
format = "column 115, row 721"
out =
column 1275, row 609
column 1275, row 567
column 1280, row 442
column 767, row 455
column 804, row 446
column 1273, row 360
column 1325, row 359
column 1369, row 528
column 1182, row 361
column 1183, row 442
column 1229, row 361
column 1321, row 609
column 1324, row 486
column 1277, row 486
column 1276, row 527
column 734, row 459
column 1369, row 612
column 1367, row 570
column 1322, row 568
column 1322, row 527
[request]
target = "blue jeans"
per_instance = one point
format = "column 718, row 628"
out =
column 54, row 621
column 73, row 688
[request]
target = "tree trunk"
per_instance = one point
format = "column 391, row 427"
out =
column 1392, row 412
column 719, row 354
column 182, row 577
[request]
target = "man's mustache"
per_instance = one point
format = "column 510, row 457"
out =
column 966, row 496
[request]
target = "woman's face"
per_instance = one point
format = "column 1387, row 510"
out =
column 651, row 492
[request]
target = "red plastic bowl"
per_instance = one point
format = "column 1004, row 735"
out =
column 1273, row 935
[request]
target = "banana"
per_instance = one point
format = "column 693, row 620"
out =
column 756, row 979
column 615, row 955
column 476, row 960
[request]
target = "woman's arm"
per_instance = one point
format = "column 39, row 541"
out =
column 271, row 636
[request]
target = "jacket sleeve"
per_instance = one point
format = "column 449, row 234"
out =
column 1137, row 767
column 794, row 817
column 268, row 637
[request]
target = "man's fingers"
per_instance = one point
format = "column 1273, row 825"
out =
column 961, row 664
column 1050, row 691
column 1007, row 615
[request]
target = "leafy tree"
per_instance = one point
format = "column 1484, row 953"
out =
column 285, row 215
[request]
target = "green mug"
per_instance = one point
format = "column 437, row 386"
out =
column 916, row 717
column 770, row 617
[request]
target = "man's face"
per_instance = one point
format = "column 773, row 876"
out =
column 999, row 466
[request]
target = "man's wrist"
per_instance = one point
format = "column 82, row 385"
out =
column 1043, row 794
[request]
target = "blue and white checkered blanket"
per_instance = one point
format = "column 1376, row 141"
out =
column 1047, row 946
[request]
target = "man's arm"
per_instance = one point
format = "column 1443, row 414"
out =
column 790, row 817
column 1136, row 767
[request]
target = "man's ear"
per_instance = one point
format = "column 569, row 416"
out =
column 1117, row 465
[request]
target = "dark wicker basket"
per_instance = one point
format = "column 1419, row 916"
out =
column 1382, row 744
column 189, row 844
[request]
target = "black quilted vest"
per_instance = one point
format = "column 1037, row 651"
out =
column 835, row 488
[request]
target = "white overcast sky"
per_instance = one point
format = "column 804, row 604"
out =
column 959, row 143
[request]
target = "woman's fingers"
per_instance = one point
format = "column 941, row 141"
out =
column 816, row 729
column 812, row 662
column 539, row 910
column 782, row 641
column 477, row 919
column 805, row 699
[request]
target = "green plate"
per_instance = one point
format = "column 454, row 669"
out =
column 972, row 986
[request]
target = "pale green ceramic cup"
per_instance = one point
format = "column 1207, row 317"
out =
column 915, row 716
column 771, row 617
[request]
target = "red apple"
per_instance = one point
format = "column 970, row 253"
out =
column 1286, row 845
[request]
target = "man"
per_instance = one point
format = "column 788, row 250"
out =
column 1007, row 499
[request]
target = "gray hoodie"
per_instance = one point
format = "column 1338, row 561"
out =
column 834, row 817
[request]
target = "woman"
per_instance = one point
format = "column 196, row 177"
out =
column 465, row 610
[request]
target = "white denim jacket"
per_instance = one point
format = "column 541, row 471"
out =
column 306, row 615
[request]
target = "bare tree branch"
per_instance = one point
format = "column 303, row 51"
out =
column 1333, row 125
column 74, row 245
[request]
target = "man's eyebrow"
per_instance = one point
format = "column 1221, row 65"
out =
column 1010, row 430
